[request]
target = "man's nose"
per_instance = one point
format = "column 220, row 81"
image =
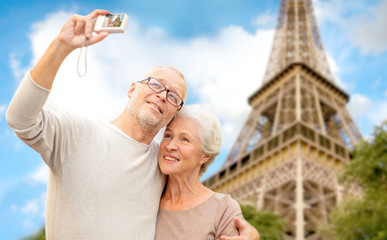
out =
column 162, row 95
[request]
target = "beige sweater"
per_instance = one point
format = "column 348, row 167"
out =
column 102, row 184
column 207, row 221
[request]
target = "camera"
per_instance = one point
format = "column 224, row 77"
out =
column 113, row 23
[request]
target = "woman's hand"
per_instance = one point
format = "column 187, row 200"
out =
column 78, row 31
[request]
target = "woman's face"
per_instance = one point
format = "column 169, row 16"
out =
column 181, row 149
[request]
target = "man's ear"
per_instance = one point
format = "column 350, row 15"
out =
column 131, row 90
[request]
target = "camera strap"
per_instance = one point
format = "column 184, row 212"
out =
column 79, row 59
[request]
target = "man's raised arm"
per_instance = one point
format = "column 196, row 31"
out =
column 75, row 33
column 28, row 101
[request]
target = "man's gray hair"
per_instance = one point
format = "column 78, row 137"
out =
column 210, row 130
column 167, row 66
column 155, row 68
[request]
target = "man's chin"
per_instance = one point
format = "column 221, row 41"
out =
column 149, row 120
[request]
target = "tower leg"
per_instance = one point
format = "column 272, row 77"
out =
column 299, row 202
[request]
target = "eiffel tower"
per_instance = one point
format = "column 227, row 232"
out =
column 298, row 134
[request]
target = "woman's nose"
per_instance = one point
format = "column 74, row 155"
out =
column 171, row 146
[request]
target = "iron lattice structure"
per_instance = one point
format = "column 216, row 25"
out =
column 298, row 135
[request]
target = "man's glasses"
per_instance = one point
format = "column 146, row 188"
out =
column 158, row 87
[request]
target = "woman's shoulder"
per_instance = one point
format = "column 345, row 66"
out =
column 222, row 197
column 225, row 200
column 227, row 210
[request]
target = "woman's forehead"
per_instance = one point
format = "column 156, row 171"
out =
column 182, row 123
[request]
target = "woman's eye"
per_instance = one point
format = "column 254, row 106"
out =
column 167, row 136
column 185, row 140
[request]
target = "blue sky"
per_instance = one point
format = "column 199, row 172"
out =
column 222, row 47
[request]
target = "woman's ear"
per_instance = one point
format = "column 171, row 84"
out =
column 205, row 158
column 131, row 90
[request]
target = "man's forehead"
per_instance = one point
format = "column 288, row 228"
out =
column 165, row 72
column 171, row 79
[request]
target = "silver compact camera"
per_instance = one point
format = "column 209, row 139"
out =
column 112, row 23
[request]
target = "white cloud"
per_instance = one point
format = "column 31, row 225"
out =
column 376, row 84
column 43, row 32
column 369, row 31
column 379, row 113
column 40, row 175
column 327, row 11
column 333, row 66
column 359, row 106
column 2, row 110
column 29, row 224
column 16, row 66
column 14, row 207
column 31, row 207
column 339, row 12
column 265, row 20
column 18, row 145
column 335, row 70
column 363, row 107
column 33, row 211
column 223, row 70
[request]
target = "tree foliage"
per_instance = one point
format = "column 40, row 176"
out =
column 269, row 225
column 365, row 217
column 368, row 167
column 38, row 236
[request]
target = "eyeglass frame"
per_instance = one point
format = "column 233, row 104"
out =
column 164, row 89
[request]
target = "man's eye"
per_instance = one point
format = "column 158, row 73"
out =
column 155, row 85
column 172, row 95
column 185, row 140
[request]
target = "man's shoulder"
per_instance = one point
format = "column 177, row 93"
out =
column 155, row 144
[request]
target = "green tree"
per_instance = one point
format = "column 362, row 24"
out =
column 365, row 217
column 269, row 225
column 38, row 236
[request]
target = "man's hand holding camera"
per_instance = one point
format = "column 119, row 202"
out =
column 75, row 33
column 78, row 30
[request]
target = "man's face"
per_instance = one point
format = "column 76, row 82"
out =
column 151, row 109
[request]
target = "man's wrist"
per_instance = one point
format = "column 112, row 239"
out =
column 45, row 70
column 61, row 47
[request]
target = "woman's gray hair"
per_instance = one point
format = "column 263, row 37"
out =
column 210, row 130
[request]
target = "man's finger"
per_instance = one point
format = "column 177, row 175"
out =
column 232, row 238
column 88, row 27
column 239, row 225
column 97, row 12
column 237, row 222
column 78, row 24
column 99, row 37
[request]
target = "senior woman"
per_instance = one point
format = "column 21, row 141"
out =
column 188, row 209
